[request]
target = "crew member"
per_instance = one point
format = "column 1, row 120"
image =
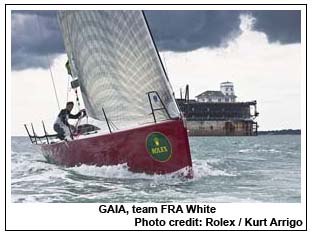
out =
column 62, row 126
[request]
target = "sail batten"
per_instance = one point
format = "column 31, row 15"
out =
column 115, row 60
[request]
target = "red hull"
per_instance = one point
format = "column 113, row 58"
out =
column 134, row 147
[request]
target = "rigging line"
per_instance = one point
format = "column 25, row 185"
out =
column 48, row 61
column 58, row 104
column 161, row 63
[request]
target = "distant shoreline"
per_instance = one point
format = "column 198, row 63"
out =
column 281, row 132
column 268, row 132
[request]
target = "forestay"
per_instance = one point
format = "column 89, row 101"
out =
column 115, row 60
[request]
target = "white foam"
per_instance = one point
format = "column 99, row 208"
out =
column 202, row 168
column 245, row 150
column 121, row 171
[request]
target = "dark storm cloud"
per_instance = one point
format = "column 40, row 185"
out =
column 172, row 30
column 279, row 26
column 35, row 36
column 189, row 30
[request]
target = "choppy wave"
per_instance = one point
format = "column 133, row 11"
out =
column 234, row 170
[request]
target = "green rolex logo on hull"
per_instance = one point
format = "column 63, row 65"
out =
column 158, row 146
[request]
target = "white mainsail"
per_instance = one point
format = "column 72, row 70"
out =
column 115, row 60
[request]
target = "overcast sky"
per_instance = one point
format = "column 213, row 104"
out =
column 259, row 51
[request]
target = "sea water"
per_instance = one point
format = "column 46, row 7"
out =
column 226, row 170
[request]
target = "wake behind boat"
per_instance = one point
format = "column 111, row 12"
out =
column 115, row 63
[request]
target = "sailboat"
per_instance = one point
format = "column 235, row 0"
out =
column 114, row 61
